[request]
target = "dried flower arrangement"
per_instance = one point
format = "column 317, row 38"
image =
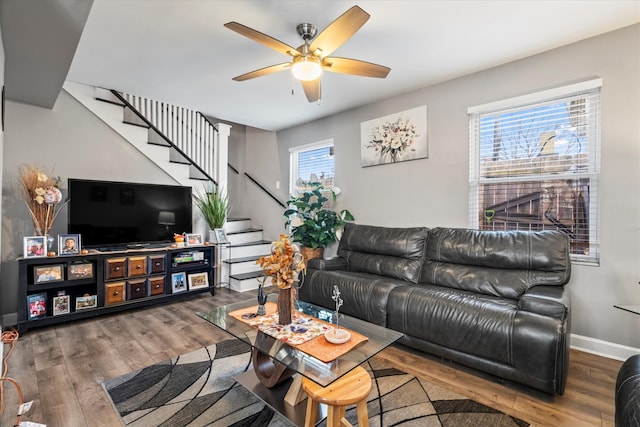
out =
column 284, row 264
column 41, row 194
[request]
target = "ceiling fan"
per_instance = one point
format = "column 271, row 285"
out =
column 309, row 59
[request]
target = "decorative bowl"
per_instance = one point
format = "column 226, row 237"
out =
column 337, row 336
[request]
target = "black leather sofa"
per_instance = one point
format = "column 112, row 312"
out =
column 628, row 393
column 493, row 301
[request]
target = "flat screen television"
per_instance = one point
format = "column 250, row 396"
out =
column 110, row 214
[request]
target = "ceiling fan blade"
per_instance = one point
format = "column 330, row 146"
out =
column 354, row 67
column 339, row 31
column 262, row 38
column 312, row 89
column 263, row 71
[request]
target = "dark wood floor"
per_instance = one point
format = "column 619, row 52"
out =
column 60, row 368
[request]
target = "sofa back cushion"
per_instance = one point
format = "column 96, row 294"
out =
column 390, row 252
column 498, row 263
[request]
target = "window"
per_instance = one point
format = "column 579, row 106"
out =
column 311, row 162
column 535, row 163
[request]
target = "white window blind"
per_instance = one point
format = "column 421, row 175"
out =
column 312, row 162
column 534, row 165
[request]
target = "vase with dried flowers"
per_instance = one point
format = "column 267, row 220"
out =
column 283, row 266
column 41, row 194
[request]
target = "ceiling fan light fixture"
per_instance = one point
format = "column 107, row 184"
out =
column 306, row 67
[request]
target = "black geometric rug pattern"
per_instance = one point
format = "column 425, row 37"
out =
column 197, row 389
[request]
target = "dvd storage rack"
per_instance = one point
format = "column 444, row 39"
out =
column 64, row 288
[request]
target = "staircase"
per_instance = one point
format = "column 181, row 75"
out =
column 246, row 246
column 192, row 151
column 179, row 141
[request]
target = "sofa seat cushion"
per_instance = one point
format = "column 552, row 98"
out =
column 383, row 251
column 463, row 321
column 365, row 295
column 498, row 263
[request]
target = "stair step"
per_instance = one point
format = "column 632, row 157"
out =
column 244, row 230
column 245, row 276
column 244, row 236
column 105, row 95
column 242, row 259
column 234, row 224
column 247, row 249
column 245, row 281
column 131, row 118
column 242, row 265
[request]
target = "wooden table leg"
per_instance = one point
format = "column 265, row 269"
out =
column 269, row 372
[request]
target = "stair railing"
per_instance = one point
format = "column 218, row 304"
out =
column 189, row 132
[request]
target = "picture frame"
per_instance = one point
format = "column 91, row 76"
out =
column 193, row 239
column 68, row 244
column 80, row 270
column 198, row 280
column 178, row 282
column 37, row 305
column 48, row 273
column 394, row 138
column 220, row 236
column 35, row 246
column 61, row 305
column 86, row 301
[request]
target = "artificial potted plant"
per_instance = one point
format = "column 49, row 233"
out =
column 214, row 206
column 313, row 223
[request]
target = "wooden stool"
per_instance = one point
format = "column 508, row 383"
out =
column 352, row 388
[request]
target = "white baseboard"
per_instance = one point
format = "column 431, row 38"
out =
column 602, row 348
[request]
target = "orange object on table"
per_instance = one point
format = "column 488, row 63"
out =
column 317, row 347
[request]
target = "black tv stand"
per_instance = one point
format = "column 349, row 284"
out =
column 98, row 283
column 138, row 246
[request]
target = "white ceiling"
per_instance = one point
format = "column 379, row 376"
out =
column 178, row 51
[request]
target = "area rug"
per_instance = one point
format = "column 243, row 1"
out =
column 197, row 389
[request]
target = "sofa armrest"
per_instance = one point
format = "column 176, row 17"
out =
column 550, row 301
column 337, row 263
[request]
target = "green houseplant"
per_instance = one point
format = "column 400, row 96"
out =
column 214, row 206
column 313, row 223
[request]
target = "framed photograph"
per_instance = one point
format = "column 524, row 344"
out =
column 35, row 246
column 220, row 235
column 394, row 138
column 194, row 239
column 198, row 280
column 86, row 301
column 179, row 282
column 48, row 273
column 80, row 270
column 69, row 244
column 37, row 305
column 61, row 305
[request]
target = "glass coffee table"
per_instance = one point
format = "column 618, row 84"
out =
column 275, row 362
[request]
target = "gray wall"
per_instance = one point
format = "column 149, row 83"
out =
column 434, row 191
column 74, row 144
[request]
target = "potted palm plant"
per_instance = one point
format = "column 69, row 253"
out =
column 313, row 222
column 214, row 206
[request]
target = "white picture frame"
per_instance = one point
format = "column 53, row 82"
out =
column 61, row 304
column 220, row 236
column 194, row 239
column 198, row 280
column 178, row 282
column 86, row 302
column 394, row 138
column 35, row 247
column 68, row 244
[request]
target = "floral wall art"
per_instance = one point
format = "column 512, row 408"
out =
column 394, row 138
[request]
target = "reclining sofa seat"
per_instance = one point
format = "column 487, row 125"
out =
column 494, row 301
